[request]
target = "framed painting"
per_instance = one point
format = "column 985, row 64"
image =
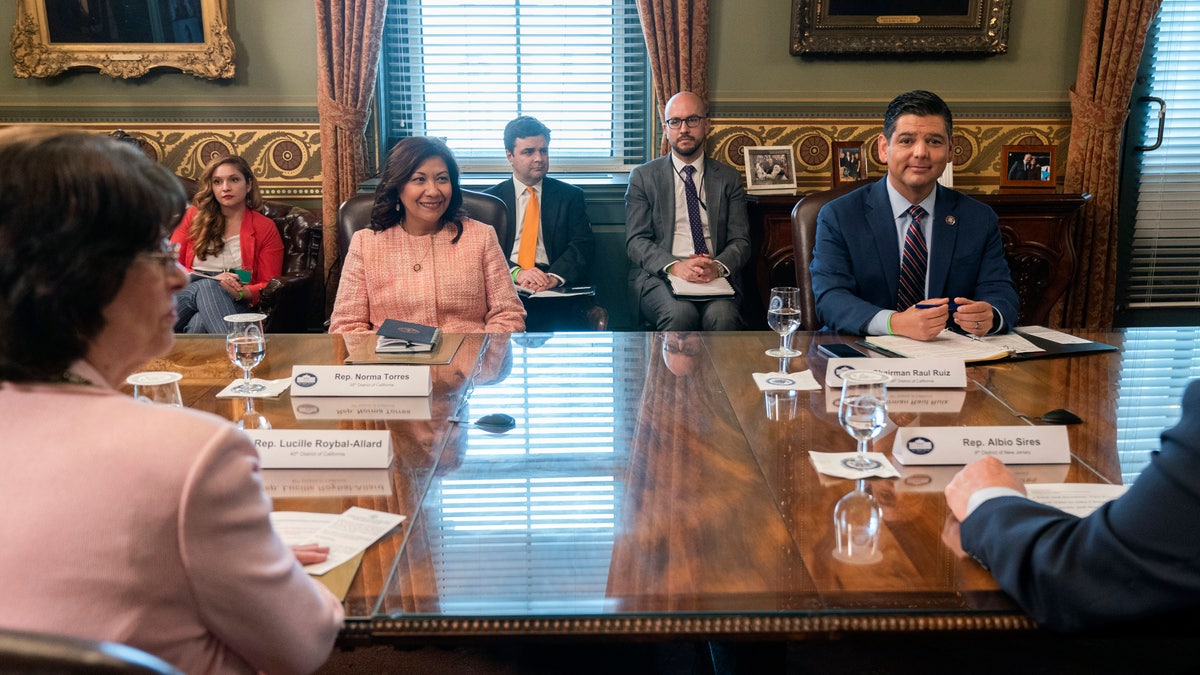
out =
column 122, row 38
column 955, row 27
column 1028, row 166
column 770, row 169
column 849, row 162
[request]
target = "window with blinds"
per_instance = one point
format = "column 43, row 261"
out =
column 461, row 69
column 1157, row 364
column 1164, row 263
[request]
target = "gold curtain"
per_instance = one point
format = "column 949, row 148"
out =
column 677, row 39
column 349, row 33
column 1114, row 32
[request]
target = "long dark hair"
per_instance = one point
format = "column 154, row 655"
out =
column 207, row 230
column 75, row 210
column 402, row 162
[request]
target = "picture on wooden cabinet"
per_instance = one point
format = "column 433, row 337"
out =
column 1028, row 166
column 770, row 169
column 849, row 163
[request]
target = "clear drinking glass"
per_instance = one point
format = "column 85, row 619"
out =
column 251, row 418
column 246, row 347
column 856, row 527
column 783, row 316
column 863, row 412
column 157, row 387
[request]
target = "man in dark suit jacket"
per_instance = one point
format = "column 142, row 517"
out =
column 564, row 236
column 856, row 267
column 662, row 241
column 1135, row 557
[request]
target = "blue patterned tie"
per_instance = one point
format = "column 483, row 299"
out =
column 693, row 206
column 913, row 263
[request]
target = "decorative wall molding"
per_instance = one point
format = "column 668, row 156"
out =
column 978, row 145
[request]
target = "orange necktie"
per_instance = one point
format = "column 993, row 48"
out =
column 527, row 253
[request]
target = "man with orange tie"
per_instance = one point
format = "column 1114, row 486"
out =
column 685, row 217
column 550, row 243
column 905, row 255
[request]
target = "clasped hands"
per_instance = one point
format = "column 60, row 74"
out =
column 698, row 269
column 231, row 284
column 536, row 280
column 924, row 320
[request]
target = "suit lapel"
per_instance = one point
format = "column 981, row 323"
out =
column 509, row 188
column 665, row 222
column 882, row 223
column 550, row 214
column 943, row 234
column 714, row 192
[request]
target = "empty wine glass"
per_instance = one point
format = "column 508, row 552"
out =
column 246, row 348
column 783, row 316
column 863, row 412
column 856, row 527
column 157, row 387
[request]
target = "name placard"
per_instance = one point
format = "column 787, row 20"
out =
column 960, row 445
column 372, row 380
column 361, row 407
column 283, row 483
column 932, row 478
column 910, row 400
column 919, row 373
column 322, row 448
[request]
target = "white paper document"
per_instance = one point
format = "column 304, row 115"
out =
column 718, row 286
column 346, row 535
column 1052, row 335
column 1077, row 499
column 949, row 344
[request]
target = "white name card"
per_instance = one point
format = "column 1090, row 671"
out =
column 961, row 445
column 322, row 448
column 361, row 408
column 910, row 401
column 371, row 380
column 919, row 373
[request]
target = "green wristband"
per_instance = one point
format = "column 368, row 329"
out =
column 514, row 274
column 241, row 294
column 890, row 324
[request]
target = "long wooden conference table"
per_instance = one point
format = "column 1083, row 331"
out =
column 651, row 491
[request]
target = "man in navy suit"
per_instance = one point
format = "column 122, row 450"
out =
column 685, row 216
column 560, row 245
column 1136, row 557
column 953, row 262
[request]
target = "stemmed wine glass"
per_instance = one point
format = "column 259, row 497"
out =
column 251, row 418
column 783, row 316
column 863, row 412
column 856, row 526
column 246, row 348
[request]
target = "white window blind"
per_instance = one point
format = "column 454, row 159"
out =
column 1156, row 366
column 461, row 69
column 1164, row 267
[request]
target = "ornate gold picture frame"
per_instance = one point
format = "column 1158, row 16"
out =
column 941, row 27
column 52, row 36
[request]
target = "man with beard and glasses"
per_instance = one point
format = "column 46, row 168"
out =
column 685, row 216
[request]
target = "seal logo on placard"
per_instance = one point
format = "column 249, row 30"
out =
column 841, row 371
column 780, row 381
column 305, row 380
column 308, row 409
column 919, row 445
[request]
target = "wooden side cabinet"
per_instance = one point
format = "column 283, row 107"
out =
column 1035, row 227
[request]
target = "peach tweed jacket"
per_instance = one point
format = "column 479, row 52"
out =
column 148, row 525
column 461, row 288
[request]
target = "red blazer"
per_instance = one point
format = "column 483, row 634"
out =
column 262, row 249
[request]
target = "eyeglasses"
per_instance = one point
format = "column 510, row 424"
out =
column 692, row 122
column 167, row 254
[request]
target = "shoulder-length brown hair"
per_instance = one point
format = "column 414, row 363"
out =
column 207, row 230
column 402, row 162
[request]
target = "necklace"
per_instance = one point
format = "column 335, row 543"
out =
column 417, row 266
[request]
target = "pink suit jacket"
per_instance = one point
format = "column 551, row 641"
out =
column 148, row 525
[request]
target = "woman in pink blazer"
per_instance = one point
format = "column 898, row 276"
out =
column 125, row 521
column 420, row 260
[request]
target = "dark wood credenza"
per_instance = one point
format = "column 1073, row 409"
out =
column 1035, row 227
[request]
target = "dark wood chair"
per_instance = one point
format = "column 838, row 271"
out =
column 294, row 301
column 804, row 237
column 22, row 652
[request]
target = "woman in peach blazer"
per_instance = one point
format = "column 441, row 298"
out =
column 125, row 521
column 421, row 261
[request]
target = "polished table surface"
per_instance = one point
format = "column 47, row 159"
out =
column 651, row 490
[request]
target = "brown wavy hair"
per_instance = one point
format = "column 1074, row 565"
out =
column 207, row 230
column 402, row 162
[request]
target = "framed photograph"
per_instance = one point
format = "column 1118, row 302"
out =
column 849, row 162
column 1028, row 166
column 770, row 169
column 900, row 26
column 122, row 38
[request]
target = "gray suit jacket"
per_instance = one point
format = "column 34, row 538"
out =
column 650, row 219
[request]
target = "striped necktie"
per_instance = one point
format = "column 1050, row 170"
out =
column 913, row 263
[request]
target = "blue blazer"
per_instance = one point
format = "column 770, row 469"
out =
column 566, row 231
column 856, row 258
column 1134, row 558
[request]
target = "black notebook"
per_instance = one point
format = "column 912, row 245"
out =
column 397, row 337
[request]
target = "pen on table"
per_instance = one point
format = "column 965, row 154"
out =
column 952, row 306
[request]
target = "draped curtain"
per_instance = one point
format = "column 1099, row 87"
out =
column 349, row 33
column 677, row 39
column 1114, row 32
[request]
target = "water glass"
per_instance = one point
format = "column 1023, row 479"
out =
column 783, row 316
column 246, row 346
column 156, row 387
column 862, row 412
column 856, row 519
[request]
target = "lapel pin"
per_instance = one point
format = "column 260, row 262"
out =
column 950, row 220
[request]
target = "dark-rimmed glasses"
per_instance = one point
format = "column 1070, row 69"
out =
column 692, row 121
